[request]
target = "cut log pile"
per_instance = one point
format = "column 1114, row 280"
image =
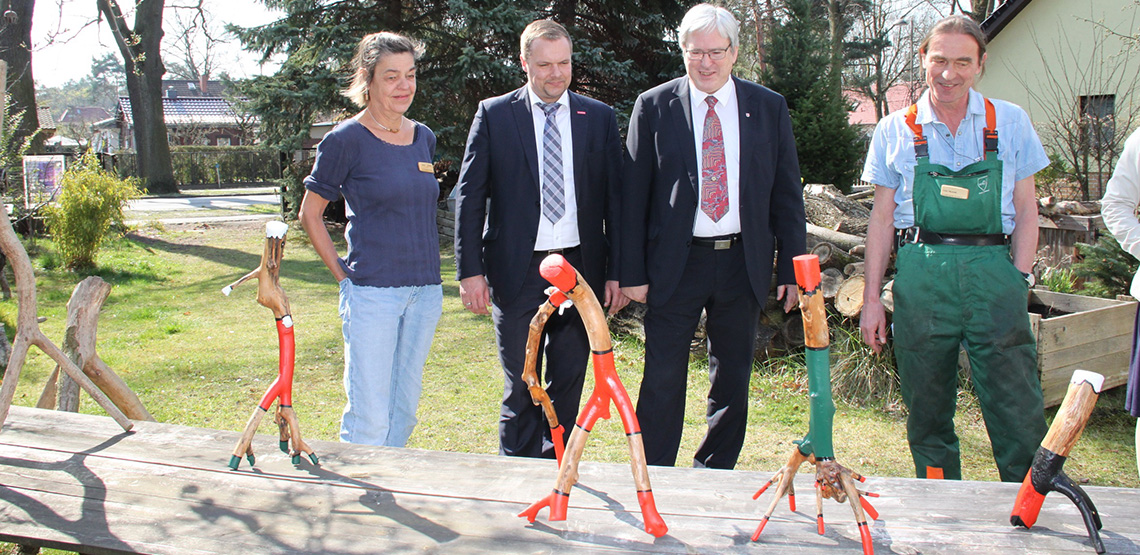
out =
column 836, row 233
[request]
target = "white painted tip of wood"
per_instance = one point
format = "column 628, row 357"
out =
column 276, row 229
column 227, row 290
column 1094, row 379
column 287, row 321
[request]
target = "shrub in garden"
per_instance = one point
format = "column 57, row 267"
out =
column 91, row 200
column 1106, row 266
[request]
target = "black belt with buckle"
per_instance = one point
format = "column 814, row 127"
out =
column 546, row 253
column 718, row 243
column 916, row 235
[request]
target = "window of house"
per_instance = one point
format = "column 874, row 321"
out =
column 1098, row 121
column 223, row 141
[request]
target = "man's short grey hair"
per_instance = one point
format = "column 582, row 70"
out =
column 705, row 18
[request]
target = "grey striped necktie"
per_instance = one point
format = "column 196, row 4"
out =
column 553, row 195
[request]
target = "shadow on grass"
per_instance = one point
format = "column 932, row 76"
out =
column 309, row 271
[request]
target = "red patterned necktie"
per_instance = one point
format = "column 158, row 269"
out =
column 714, row 177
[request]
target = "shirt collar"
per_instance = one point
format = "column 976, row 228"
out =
column 724, row 95
column 563, row 101
column 975, row 106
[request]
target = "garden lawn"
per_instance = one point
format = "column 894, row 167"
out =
column 198, row 358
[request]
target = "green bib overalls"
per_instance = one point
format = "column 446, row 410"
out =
column 956, row 283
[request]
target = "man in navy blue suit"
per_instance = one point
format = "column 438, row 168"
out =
column 711, row 194
column 548, row 161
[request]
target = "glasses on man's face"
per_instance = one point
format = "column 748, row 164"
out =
column 714, row 54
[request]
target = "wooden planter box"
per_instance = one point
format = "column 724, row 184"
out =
column 1078, row 332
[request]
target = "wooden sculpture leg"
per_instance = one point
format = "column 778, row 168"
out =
column 292, row 428
column 244, row 445
column 51, row 391
column 654, row 524
column 559, row 498
column 283, row 434
column 12, row 376
column 89, row 386
column 784, row 478
column 16, row 363
column 854, row 499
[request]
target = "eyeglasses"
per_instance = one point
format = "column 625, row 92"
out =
column 714, row 54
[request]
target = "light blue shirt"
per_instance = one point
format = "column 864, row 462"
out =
column 890, row 160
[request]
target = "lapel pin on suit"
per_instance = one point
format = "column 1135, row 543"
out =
column 581, row 112
column 747, row 114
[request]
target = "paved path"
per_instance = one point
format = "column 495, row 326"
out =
column 236, row 204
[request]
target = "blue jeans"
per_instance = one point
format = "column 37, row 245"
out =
column 387, row 335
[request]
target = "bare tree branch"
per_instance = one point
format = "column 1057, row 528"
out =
column 1088, row 142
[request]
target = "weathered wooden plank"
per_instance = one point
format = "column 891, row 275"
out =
column 1067, row 302
column 1092, row 326
column 1113, row 344
column 72, row 481
column 1113, row 366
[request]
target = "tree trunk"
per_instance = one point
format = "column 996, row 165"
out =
column 15, row 38
column 842, row 240
column 142, row 59
column 849, row 298
column 835, row 30
column 830, row 279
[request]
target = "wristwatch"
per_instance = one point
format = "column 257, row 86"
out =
column 1029, row 278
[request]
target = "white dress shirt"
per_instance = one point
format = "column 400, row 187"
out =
column 728, row 110
column 562, row 234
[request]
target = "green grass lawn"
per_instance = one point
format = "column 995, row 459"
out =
column 198, row 358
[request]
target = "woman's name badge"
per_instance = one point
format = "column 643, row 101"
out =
column 955, row 192
column 426, row 167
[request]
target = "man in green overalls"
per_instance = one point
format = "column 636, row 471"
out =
column 954, row 191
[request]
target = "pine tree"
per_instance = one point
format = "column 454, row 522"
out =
column 799, row 67
column 620, row 49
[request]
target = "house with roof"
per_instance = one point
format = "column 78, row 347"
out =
column 1070, row 65
column 196, row 113
column 83, row 116
column 899, row 96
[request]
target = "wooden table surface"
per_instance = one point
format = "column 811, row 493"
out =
column 77, row 482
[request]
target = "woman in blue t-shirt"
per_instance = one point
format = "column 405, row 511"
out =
column 391, row 296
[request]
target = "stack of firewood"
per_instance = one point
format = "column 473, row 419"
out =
column 836, row 233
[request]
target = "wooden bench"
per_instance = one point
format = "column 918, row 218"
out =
column 78, row 482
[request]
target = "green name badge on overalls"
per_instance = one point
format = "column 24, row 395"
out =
column 955, row 192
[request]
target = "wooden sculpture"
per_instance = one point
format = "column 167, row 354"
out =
column 79, row 345
column 570, row 286
column 271, row 296
column 1046, row 474
column 555, row 301
column 28, row 328
column 832, row 480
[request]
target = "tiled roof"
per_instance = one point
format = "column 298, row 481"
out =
column 188, row 110
column 45, row 118
column 184, row 87
column 84, row 114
